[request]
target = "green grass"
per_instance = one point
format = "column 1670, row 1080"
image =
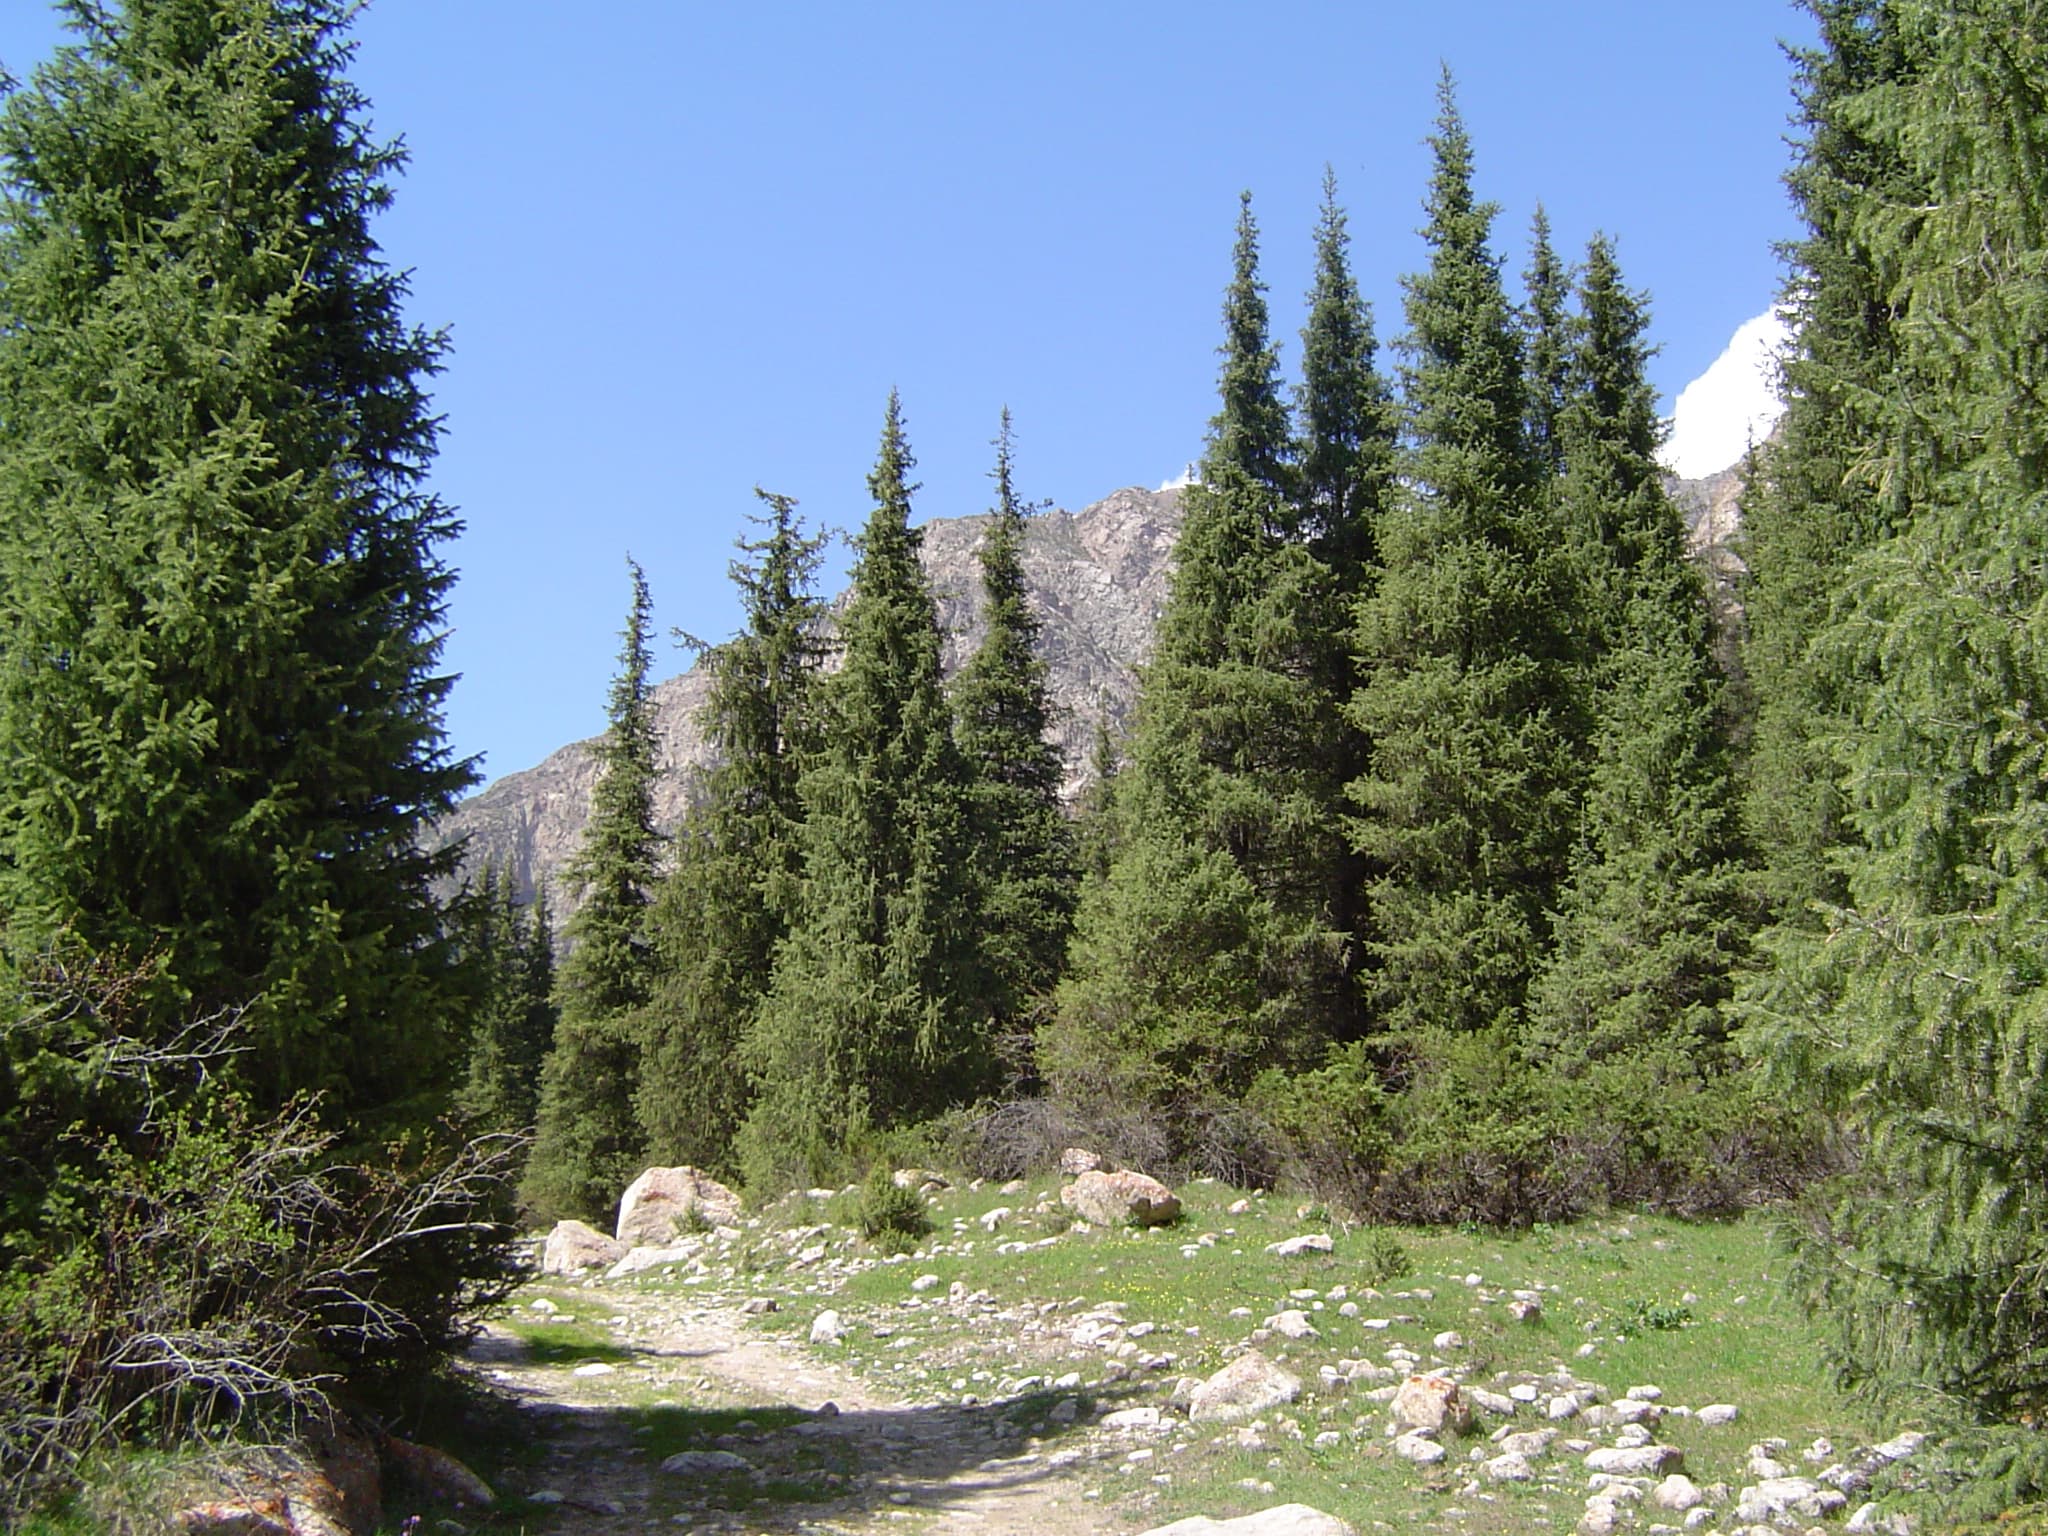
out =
column 1695, row 1309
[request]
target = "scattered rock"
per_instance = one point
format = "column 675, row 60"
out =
column 574, row 1245
column 1248, row 1386
column 990, row 1220
column 1678, row 1493
column 1491, row 1402
column 1281, row 1520
column 1718, row 1413
column 1078, row 1160
column 827, row 1328
column 1510, row 1467
column 1432, row 1403
column 660, row 1205
column 1132, row 1418
column 1636, row 1460
column 1526, row 1311
column 1766, row 1501
column 1308, row 1242
column 1900, row 1447
column 1601, row 1518
column 1528, row 1442
column 594, row 1368
column 644, row 1258
column 1121, row 1199
column 758, row 1306
column 924, row 1180
column 706, row 1464
column 1293, row 1324
column 1418, row 1447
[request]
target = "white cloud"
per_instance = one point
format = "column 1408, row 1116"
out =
column 1183, row 480
column 1733, row 403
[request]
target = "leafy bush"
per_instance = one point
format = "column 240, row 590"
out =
column 891, row 1215
column 205, row 1264
column 1384, row 1260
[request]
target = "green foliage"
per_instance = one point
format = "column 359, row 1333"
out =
column 1016, row 829
column 210, row 1263
column 221, row 587
column 1658, row 1317
column 514, row 1024
column 1916, row 1015
column 723, row 910
column 876, row 1016
column 587, row 1144
column 1651, row 921
column 1384, row 1259
column 1549, row 345
column 891, row 1215
column 1467, row 805
column 1249, row 429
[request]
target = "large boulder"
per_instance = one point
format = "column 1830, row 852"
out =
column 574, row 1245
column 1243, row 1389
column 1430, row 1403
column 434, row 1474
column 663, row 1203
column 1281, row 1520
column 1122, row 1198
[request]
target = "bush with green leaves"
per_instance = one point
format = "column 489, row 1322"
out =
column 891, row 1215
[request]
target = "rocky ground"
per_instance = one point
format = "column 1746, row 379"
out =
column 1024, row 1372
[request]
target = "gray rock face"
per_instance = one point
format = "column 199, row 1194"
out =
column 1097, row 579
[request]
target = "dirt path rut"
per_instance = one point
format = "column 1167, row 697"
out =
column 774, row 1439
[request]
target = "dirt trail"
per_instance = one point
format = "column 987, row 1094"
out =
column 865, row 1463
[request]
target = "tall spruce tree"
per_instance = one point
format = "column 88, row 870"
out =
column 1467, row 806
column 588, row 1142
column 724, row 909
column 1249, row 429
column 877, row 1015
column 1649, row 926
column 221, row 583
column 1016, row 828
column 1819, row 500
column 1917, row 1014
column 1209, row 952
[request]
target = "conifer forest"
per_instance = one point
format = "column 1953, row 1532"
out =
column 1469, row 859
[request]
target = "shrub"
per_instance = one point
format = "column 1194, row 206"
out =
column 1384, row 1260
column 891, row 1215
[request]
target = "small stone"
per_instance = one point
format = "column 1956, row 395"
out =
column 1678, row 1493
column 706, row 1464
column 1525, row 1311
column 827, row 1328
column 1563, row 1407
column 1491, row 1402
column 1431, row 1403
column 1524, row 1392
column 1293, row 1324
column 757, row 1306
column 1636, row 1460
column 1419, row 1448
column 1899, row 1448
column 1600, row 1519
column 1308, row 1242
column 1529, row 1442
column 1511, row 1467
column 1718, row 1413
column 1132, row 1418
column 1644, row 1394
column 593, row 1368
column 1448, row 1340
column 924, row 1283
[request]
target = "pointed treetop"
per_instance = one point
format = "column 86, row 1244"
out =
column 1550, row 340
column 1450, row 186
column 1249, row 432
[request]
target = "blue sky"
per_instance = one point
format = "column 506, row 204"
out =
column 684, row 249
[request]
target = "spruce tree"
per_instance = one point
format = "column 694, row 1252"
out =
column 1209, row 950
column 725, row 907
column 514, row 1023
column 222, row 589
column 1649, row 926
column 588, row 1142
column 1016, row 828
column 1467, row 805
column 877, row 1014
column 1818, row 500
column 1916, row 1015
column 1345, row 411
column 1249, row 429
column 1549, row 350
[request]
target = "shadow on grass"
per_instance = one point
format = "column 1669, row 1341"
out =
column 780, row 1467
